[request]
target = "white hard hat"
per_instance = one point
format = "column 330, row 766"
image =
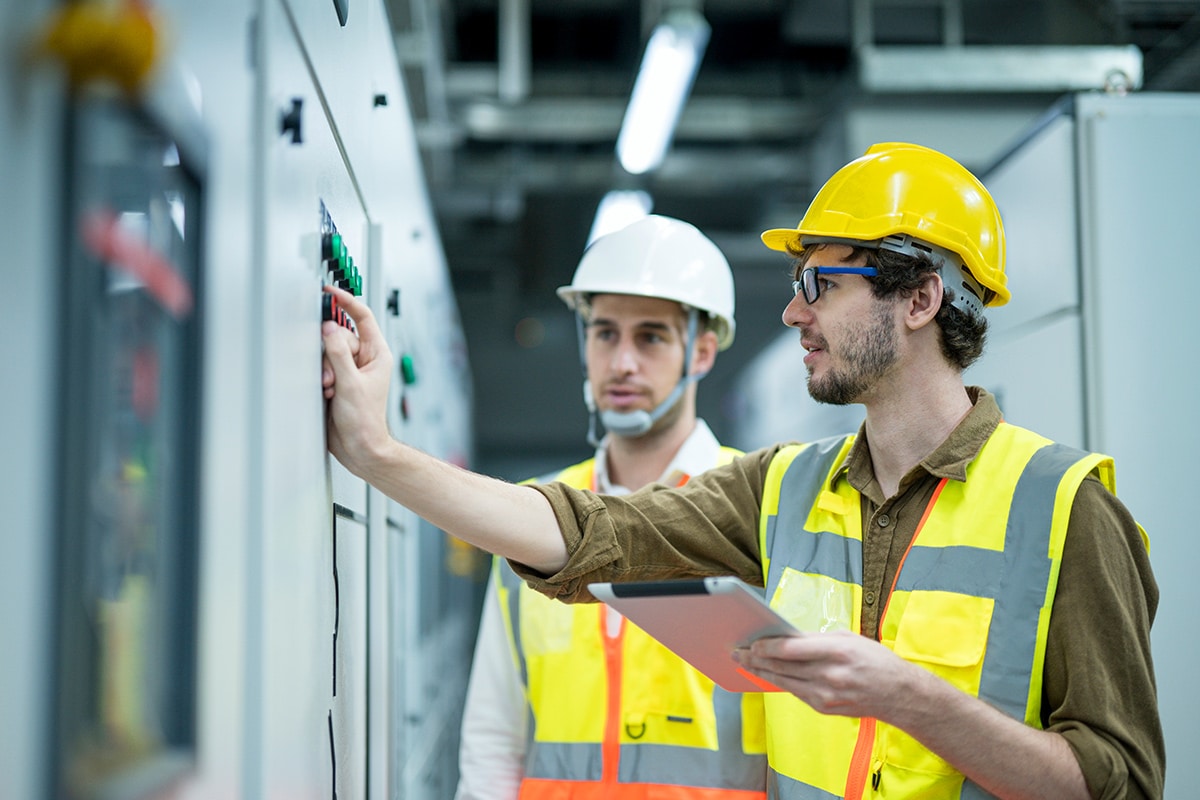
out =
column 658, row 257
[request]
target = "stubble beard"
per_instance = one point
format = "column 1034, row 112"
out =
column 868, row 356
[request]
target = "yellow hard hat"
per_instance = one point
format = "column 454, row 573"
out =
column 914, row 193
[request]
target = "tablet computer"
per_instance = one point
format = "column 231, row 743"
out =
column 701, row 620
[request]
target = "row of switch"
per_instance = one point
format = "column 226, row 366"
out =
column 345, row 275
column 331, row 310
column 340, row 264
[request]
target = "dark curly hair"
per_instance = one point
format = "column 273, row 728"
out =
column 963, row 335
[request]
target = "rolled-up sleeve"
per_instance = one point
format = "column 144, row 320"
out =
column 709, row 526
column 1099, row 689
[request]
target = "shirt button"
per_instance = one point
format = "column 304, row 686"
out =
column 870, row 598
column 884, row 520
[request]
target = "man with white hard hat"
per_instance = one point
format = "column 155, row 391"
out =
column 567, row 700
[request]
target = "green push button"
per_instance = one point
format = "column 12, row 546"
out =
column 407, row 371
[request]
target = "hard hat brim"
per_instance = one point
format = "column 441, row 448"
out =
column 780, row 238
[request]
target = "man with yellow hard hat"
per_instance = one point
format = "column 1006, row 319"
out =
column 976, row 602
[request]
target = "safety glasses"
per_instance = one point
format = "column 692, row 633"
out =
column 811, row 286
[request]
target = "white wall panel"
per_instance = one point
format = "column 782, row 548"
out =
column 1133, row 171
column 31, row 149
column 297, row 566
column 1036, row 374
column 1140, row 169
column 350, row 704
column 1036, row 195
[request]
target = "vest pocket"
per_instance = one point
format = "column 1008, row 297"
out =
column 942, row 631
column 946, row 633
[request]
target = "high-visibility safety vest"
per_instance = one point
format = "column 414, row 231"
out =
column 971, row 602
column 621, row 716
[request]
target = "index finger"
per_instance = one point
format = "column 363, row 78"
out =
column 360, row 312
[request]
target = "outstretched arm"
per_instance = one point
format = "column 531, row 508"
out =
column 851, row 675
column 512, row 521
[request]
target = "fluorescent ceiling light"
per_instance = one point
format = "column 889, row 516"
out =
column 618, row 209
column 668, row 68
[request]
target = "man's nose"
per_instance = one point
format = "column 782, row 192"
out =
column 624, row 358
column 797, row 312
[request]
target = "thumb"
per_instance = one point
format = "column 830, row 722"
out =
column 339, row 349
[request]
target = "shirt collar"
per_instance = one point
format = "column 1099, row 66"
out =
column 699, row 452
column 948, row 460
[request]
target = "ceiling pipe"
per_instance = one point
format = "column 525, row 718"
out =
column 514, row 26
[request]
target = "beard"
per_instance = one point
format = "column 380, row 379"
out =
column 867, row 355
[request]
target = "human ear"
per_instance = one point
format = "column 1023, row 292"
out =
column 924, row 302
column 704, row 353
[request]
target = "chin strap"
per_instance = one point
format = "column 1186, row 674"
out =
column 635, row 423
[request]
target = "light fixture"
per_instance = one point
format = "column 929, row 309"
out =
column 668, row 68
column 617, row 209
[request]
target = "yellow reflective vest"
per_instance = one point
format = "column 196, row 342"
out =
column 971, row 601
column 621, row 716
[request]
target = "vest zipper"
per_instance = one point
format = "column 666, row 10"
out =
column 860, row 761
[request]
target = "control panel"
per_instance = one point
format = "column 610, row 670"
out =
column 339, row 270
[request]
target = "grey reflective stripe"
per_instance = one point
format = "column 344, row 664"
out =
column 1012, row 640
column 727, row 767
column 668, row 765
column 558, row 760
column 822, row 553
column 692, row 766
column 513, row 583
column 958, row 569
column 781, row 786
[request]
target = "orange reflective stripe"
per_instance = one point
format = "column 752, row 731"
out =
column 937, row 492
column 860, row 762
column 610, row 751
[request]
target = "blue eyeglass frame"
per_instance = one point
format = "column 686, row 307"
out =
column 808, row 279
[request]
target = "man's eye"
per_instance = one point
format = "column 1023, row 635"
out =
column 825, row 284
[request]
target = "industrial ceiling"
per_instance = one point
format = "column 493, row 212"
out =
column 518, row 104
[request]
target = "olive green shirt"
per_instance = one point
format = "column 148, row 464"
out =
column 1098, row 683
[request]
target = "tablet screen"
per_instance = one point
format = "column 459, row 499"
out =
column 702, row 620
